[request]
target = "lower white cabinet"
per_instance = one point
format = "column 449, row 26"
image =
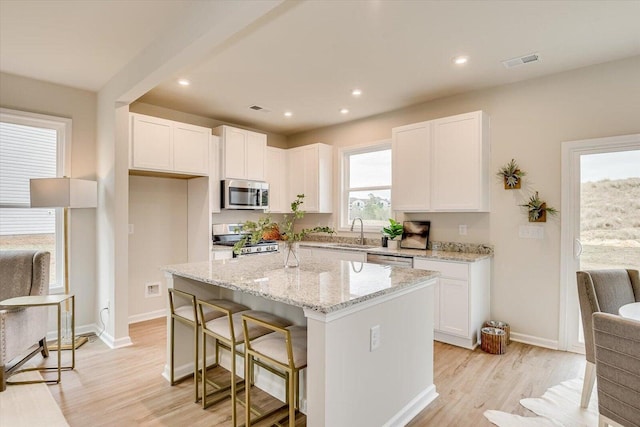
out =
column 330, row 253
column 462, row 299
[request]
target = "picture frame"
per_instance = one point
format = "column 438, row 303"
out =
column 415, row 235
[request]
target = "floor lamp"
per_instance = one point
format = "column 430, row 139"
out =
column 66, row 193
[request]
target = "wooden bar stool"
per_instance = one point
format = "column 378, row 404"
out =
column 285, row 349
column 183, row 309
column 229, row 334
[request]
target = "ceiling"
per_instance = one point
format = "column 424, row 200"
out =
column 308, row 57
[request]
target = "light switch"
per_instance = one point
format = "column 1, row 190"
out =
column 374, row 341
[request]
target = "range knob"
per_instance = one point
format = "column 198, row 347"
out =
column 258, row 249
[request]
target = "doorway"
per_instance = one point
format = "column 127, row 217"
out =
column 600, row 220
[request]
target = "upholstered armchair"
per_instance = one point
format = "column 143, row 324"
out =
column 22, row 273
column 617, row 355
column 602, row 291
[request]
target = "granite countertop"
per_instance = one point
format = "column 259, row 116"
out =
column 443, row 255
column 318, row 284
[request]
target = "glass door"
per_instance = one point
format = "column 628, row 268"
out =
column 601, row 221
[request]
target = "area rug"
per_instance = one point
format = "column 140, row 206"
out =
column 559, row 406
column 29, row 405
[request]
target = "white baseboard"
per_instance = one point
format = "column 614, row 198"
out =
column 537, row 341
column 413, row 408
column 148, row 316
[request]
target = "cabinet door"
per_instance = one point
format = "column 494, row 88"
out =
column 454, row 306
column 152, row 143
column 234, row 153
column 295, row 175
column 214, row 175
column 256, row 145
column 355, row 256
column 411, row 167
column 191, row 149
column 459, row 178
column 275, row 175
column 310, row 177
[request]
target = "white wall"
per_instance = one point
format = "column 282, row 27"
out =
column 158, row 213
column 21, row 93
column 529, row 121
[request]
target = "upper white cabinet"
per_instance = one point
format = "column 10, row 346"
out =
column 442, row 165
column 410, row 169
column 460, row 163
column 161, row 145
column 242, row 153
column 276, row 176
column 310, row 172
column 214, row 175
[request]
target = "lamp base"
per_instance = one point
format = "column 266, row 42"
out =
column 67, row 344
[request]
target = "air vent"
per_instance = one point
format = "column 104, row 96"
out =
column 259, row 108
column 526, row 59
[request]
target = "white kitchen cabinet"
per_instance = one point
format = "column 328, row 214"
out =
column 442, row 165
column 462, row 299
column 330, row 253
column 310, row 172
column 460, row 161
column 276, row 176
column 242, row 153
column 214, row 175
column 411, row 177
column 160, row 145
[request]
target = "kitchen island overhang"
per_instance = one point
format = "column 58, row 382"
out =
column 348, row 381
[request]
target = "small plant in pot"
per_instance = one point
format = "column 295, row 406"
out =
column 391, row 232
column 511, row 175
column 537, row 209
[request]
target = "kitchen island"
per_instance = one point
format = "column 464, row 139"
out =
column 352, row 377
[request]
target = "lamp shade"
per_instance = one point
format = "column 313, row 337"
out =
column 63, row 193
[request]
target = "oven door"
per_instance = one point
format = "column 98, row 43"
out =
column 241, row 194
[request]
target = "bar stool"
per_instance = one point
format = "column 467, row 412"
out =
column 187, row 315
column 286, row 350
column 229, row 334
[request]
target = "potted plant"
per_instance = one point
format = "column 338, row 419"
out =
column 537, row 209
column 511, row 175
column 394, row 230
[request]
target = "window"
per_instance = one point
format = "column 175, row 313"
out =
column 366, row 188
column 32, row 146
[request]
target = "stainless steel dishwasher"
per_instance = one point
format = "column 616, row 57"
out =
column 399, row 260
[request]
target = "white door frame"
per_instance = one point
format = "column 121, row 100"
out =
column 570, row 222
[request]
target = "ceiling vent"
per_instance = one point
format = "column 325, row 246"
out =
column 526, row 59
column 258, row 108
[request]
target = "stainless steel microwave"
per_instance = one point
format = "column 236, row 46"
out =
column 243, row 194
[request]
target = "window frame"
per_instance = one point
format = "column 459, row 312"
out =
column 345, row 153
column 63, row 128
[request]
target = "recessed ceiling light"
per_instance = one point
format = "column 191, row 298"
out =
column 356, row 92
column 344, row 111
column 288, row 114
column 184, row 82
column 460, row 60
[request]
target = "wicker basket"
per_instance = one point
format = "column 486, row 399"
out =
column 494, row 340
column 500, row 325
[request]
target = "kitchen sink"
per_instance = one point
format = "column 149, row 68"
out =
column 351, row 246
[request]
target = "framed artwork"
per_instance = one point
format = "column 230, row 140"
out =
column 415, row 234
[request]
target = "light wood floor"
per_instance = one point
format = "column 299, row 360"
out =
column 124, row 387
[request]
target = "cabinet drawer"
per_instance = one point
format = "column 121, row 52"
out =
column 451, row 270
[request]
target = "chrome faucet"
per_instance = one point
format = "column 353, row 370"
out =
column 361, row 229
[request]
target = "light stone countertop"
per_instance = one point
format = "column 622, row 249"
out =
column 416, row 253
column 319, row 284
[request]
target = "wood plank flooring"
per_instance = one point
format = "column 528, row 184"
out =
column 124, row 387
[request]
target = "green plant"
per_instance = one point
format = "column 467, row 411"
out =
column 287, row 228
column 536, row 208
column 511, row 174
column 253, row 231
column 394, row 229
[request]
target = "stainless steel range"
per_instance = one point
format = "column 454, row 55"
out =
column 229, row 234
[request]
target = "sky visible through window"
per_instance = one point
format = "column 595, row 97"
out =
column 618, row 165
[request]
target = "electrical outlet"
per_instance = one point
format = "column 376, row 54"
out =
column 531, row 232
column 374, row 338
column 152, row 289
column 462, row 230
column 130, row 228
